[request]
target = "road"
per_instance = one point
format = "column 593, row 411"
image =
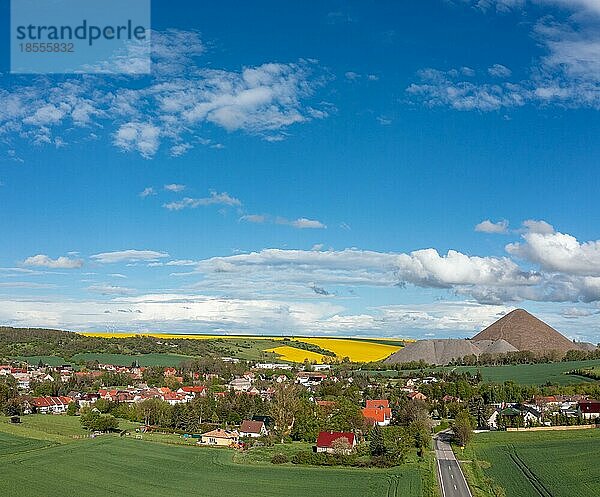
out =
column 452, row 480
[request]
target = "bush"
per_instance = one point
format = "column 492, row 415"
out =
column 280, row 458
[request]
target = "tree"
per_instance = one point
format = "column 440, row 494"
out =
column 341, row 446
column 72, row 409
column 284, row 408
column 463, row 428
column 421, row 434
column 376, row 442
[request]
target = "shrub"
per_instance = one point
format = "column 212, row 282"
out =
column 280, row 458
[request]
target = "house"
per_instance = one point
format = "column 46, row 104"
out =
column 220, row 438
column 253, row 429
column 307, row 379
column 516, row 415
column 198, row 391
column 240, row 384
column 381, row 416
column 589, row 409
column 327, row 441
column 51, row 405
column 417, row 396
column 378, row 403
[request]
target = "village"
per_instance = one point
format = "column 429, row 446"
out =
column 234, row 405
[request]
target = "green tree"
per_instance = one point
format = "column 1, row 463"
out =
column 376, row 442
column 463, row 427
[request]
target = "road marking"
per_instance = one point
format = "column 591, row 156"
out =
column 441, row 479
column 454, row 487
column 452, row 476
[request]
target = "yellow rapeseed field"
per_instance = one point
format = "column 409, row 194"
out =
column 355, row 350
column 293, row 354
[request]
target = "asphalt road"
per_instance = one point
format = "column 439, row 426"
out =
column 450, row 475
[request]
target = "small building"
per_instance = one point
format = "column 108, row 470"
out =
column 220, row 438
column 253, row 429
column 589, row 409
column 327, row 441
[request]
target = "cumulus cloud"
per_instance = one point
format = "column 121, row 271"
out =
column 128, row 256
column 558, row 252
column 42, row 260
column 488, row 226
column 193, row 203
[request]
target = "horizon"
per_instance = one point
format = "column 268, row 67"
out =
column 341, row 171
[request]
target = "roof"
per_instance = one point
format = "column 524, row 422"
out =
column 219, row 433
column 377, row 414
column 193, row 389
column 51, row 401
column 589, row 406
column 248, row 426
column 378, row 403
column 326, row 438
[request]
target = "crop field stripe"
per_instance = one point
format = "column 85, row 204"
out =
column 530, row 475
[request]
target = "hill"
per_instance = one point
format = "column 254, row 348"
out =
column 517, row 331
column 526, row 332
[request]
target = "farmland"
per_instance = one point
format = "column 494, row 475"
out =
column 355, row 350
column 109, row 465
column 534, row 464
column 292, row 354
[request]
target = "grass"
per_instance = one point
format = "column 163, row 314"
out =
column 110, row 465
column 127, row 359
column 534, row 464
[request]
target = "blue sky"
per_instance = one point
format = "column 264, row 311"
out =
column 343, row 168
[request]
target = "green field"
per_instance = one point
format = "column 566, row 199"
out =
column 526, row 374
column 534, row 464
column 35, row 463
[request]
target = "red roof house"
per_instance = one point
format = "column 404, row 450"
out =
column 326, row 439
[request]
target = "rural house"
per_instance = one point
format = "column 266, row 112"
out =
column 253, row 429
column 377, row 412
column 589, row 409
column 220, row 438
column 327, row 441
column 51, row 405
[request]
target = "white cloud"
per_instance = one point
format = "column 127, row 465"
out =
column 304, row 223
column 559, row 252
column 567, row 74
column 254, row 218
column 146, row 192
column 143, row 137
column 174, row 187
column 128, row 256
column 499, row 71
column 110, row 290
column 534, row 226
column 172, row 107
column 488, row 226
column 193, row 203
column 42, row 260
column 352, row 76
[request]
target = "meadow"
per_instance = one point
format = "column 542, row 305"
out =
column 112, row 465
column 534, row 464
